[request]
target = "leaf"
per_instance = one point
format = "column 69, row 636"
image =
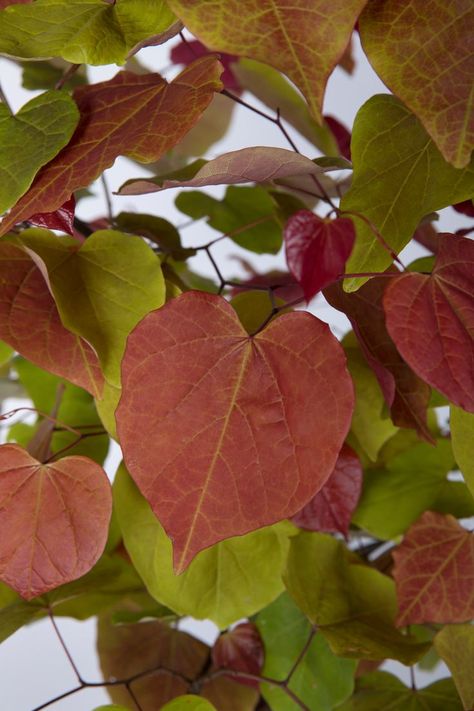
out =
column 381, row 690
column 45, row 75
column 220, row 396
column 81, row 31
column 189, row 703
column 455, row 646
column 32, row 138
column 304, row 40
column 354, row 606
column 132, row 115
column 321, row 680
column 422, row 53
column 396, row 182
column 254, row 308
column 342, row 136
column 462, row 436
column 240, row 649
column 317, row 249
column 231, row 580
column 111, row 707
column 257, row 164
column 187, row 51
column 331, row 509
column 30, row 323
column 61, row 219
column 406, row 395
column 431, row 320
column 54, row 519
column 434, row 572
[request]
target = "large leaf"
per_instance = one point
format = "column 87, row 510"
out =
column 422, row 52
column 321, row 680
column 399, row 177
column 431, row 320
column 217, row 406
column 131, row 114
column 434, row 571
column 32, row 138
column 54, row 519
column 30, row 323
column 462, row 435
column 81, row 31
column 231, row 580
column 354, row 606
column 455, row 646
column 305, row 40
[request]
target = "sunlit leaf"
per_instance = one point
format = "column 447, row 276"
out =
column 462, row 435
column 455, row 646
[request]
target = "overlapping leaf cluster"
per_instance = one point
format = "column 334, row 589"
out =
column 271, row 471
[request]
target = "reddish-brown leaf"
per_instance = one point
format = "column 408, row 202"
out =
column 434, row 572
column 465, row 208
column 240, row 649
column 54, row 519
column 140, row 116
column 30, row 323
column 431, row 320
column 332, row 508
column 186, row 52
column 341, row 134
column 317, row 250
column 61, row 219
column 240, row 431
column 405, row 394
column 427, row 235
column 5, row 3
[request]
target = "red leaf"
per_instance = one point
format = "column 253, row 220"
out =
column 30, row 323
column 405, row 394
column 317, row 249
column 465, row 208
column 54, row 519
column 61, row 219
column 332, row 508
column 341, row 134
column 240, row 649
column 241, row 431
column 434, row 572
column 427, row 235
column 140, row 116
column 431, row 320
column 186, row 52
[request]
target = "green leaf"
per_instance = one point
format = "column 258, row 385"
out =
column 157, row 230
column 354, row 606
column 45, row 75
column 395, row 496
column 31, row 138
column 462, row 434
column 254, row 308
column 81, row 31
column 230, row 580
column 188, row 703
column 241, row 206
column 399, row 177
column 19, row 613
column 6, row 353
column 455, row 645
column 111, row 707
column 321, row 680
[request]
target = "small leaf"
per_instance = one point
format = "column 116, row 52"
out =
column 220, row 397
column 462, row 436
column 61, row 219
column 455, row 646
column 240, row 649
column 187, row 51
column 54, row 519
column 431, row 320
column 434, row 572
column 317, row 250
column 342, row 136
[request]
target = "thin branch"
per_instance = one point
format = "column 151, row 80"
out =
column 70, row 71
column 64, row 646
column 82, row 435
column 108, row 199
column 132, row 695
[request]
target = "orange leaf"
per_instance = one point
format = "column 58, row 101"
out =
column 434, row 572
column 240, row 431
column 140, row 116
column 54, row 519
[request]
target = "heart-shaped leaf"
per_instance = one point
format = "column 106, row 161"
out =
column 54, row 519
column 241, row 431
column 240, row 649
column 32, row 138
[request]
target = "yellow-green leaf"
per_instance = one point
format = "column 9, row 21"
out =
column 455, row 645
column 462, row 435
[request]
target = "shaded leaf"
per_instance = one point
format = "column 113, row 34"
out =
column 455, row 646
column 61, row 219
column 462, row 436
column 30, row 139
column 341, row 134
column 434, row 572
column 422, row 52
column 240, row 649
column 54, row 519
column 431, row 320
column 317, row 249
column 396, row 182
column 465, row 207
column 218, row 413
column 45, row 75
column 132, row 115
column 332, row 507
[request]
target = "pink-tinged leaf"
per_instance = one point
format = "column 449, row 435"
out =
column 431, row 320
column 434, row 572
column 30, row 323
column 54, row 519
column 465, row 208
column 140, row 116
column 317, row 249
column 186, row 52
column 241, row 431
column 61, row 219
column 331, row 509
column 405, row 393
column 240, row 649
column 341, row 134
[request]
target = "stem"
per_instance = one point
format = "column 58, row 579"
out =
column 133, row 697
column 301, row 655
column 70, row 71
column 375, row 231
column 72, row 444
column 63, row 645
column 108, row 200
column 412, row 678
